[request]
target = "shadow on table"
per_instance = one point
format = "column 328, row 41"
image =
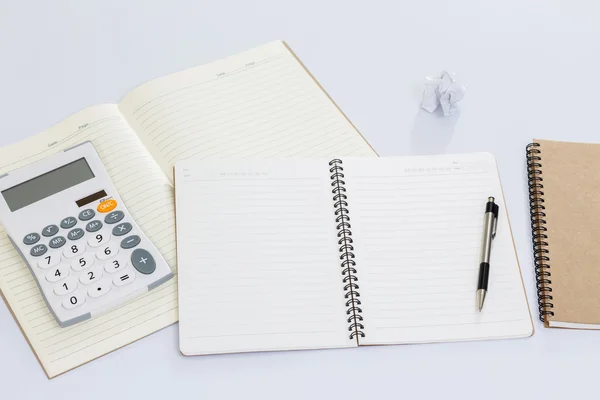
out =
column 432, row 132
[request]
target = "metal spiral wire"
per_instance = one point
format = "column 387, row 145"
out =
column 541, row 258
column 345, row 241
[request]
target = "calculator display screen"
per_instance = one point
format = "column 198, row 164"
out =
column 47, row 184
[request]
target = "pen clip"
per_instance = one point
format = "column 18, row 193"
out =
column 495, row 221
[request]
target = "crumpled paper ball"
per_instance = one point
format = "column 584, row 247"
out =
column 444, row 91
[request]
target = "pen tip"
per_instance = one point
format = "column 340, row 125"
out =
column 480, row 298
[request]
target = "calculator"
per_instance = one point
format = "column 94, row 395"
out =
column 72, row 229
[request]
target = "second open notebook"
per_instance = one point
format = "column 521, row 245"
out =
column 305, row 254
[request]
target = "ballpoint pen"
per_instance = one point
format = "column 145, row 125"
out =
column 489, row 232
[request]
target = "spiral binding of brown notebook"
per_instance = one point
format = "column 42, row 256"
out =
column 564, row 193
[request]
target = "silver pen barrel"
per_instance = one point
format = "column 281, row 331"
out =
column 489, row 232
column 488, row 228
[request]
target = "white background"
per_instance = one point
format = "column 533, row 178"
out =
column 531, row 67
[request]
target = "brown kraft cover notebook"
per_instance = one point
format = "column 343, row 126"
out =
column 564, row 193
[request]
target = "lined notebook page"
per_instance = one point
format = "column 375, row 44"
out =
column 258, row 260
column 149, row 198
column 418, row 224
column 262, row 102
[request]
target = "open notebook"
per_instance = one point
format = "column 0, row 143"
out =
column 260, row 102
column 305, row 254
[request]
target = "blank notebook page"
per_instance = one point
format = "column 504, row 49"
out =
column 257, row 255
column 418, row 224
column 259, row 103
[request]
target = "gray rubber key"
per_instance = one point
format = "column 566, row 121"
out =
column 68, row 222
column 122, row 229
column 76, row 233
column 31, row 238
column 114, row 217
column 50, row 230
column 130, row 242
column 143, row 261
column 93, row 226
column 86, row 215
column 57, row 242
column 39, row 250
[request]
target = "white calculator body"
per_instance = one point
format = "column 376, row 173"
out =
column 73, row 230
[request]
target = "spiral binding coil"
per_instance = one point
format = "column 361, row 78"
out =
column 541, row 258
column 344, row 234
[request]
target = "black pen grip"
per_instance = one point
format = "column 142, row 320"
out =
column 484, row 274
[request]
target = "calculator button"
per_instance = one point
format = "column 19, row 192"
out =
column 50, row 230
column 107, row 206
column 114, row 217
column 107, row 252
column 76, row 234
column 74, row 249
column 93, row 226
column 123, row 278
column 117, row 264
column 122, row 229
column 99, row 238
column 38, row 250
column 74, row 301
column 66, row 287
column 86, row 215
column 58, row 273
column 50, row 260
column 130, row 242
column 68, row 222
column 32, row 238
column 82, row 262
column 57, row 242
column 143, row 261
column 91, row 276
column 99, row 289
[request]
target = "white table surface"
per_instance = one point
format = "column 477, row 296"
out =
column 531, row 67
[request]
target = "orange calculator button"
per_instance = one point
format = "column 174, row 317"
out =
column 107, row 205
